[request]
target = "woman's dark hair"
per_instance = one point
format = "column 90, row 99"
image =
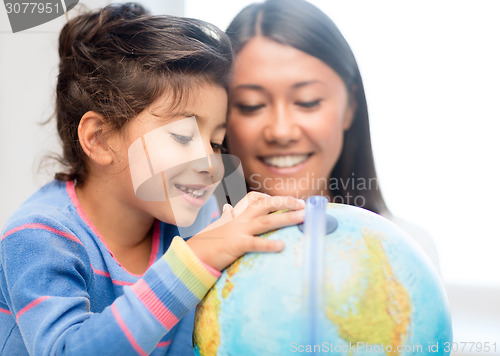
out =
column 301, row 25
column 119, row 60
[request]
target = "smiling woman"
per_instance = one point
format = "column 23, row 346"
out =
column 297, row 106
column 288, row 114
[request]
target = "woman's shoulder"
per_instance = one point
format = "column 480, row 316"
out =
column 421, row 236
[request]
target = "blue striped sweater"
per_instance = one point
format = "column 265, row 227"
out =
column 64, row 293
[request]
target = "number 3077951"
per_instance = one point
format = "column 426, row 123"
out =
column 33, row 8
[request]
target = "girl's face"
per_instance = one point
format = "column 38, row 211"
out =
column 168, row 169
column 288, row 112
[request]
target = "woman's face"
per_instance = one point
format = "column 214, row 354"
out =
column 288, row 113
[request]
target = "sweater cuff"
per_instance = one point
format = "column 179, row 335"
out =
column 196, row 275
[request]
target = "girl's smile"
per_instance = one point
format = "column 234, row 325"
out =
column 168, row 163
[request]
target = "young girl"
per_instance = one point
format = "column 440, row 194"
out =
column 86, row 266
column 298, row 116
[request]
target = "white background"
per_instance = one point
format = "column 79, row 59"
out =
column 432, row 77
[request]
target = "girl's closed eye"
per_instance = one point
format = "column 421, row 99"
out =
column 184, row 140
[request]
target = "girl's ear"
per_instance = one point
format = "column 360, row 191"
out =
column 92, row 138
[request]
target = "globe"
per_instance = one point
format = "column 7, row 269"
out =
column 348, row 282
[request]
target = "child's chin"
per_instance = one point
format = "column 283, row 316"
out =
column 186, row 219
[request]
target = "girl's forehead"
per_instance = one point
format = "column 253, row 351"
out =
column 206, row 103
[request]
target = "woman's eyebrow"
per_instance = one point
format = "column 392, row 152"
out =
column 249, row 86
column 307, row 82
column 294, row 86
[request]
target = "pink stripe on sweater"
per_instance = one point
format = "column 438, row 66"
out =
column 38, row 226
column 155, row 305
column 6, row 311
column 31, row 305
column 215, row 215
column 100, row 272
column 156, row 243
column 70, row 190
column 164, row 343
column 107, row 275
column 121, row 283
column 210, row 269
column 126, row 331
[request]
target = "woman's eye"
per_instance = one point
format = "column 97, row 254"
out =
column 218, row 148
column 182, row 139
column 308, row 104
column 249, row 108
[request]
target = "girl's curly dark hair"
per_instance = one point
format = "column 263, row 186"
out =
column 119, row 60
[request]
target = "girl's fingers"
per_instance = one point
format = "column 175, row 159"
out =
column 258, row 244
column 275, row 221
column 226, row 208
column 227, row 216
column 262, row 203
column 250, row 199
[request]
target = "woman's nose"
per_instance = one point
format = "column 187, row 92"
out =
column 281, row 127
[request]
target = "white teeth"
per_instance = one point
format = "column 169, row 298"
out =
column 198, row 193
column 285, row 161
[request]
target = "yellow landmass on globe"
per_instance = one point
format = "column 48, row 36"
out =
column 234, row 268
column 206, row 324
column 372, row 307
column 231, row 270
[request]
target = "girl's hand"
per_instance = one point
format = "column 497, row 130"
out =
column 234, row 234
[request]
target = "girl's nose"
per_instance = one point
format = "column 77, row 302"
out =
column 281, row 127
column 210, row 164
column 203, row 164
